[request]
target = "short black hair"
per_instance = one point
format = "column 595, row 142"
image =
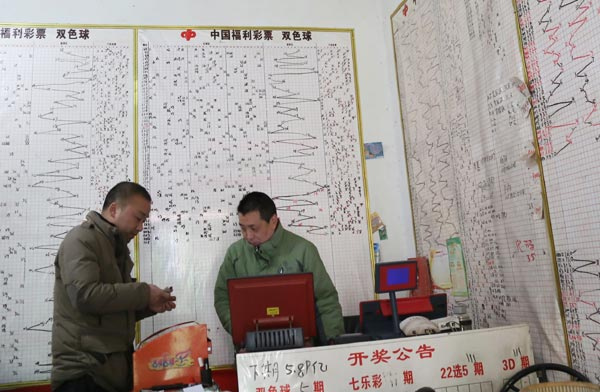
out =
column 257, row 201
column 123, row 191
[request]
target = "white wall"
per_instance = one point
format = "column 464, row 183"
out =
column 370, row 19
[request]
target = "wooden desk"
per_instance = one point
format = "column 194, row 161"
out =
column 470, row 361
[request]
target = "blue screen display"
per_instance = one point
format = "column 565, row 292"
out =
column 398, row 276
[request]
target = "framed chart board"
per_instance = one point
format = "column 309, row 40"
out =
column 471, row 160
column 199, row 116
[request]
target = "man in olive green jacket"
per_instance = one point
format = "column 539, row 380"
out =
column 268, row 249
column 96, row 303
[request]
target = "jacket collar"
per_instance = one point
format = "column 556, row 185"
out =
column 108, row 229
column 269, row 247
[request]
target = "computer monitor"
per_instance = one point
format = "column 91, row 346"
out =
column 392, row 277
column 272, row 301
column 395, row 276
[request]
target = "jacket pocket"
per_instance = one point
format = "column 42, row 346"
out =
column 104, row 344
column 111, row 335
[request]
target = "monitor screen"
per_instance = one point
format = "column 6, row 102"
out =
column 395, row 276
column 264, row 298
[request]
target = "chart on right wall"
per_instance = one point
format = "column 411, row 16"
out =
column 471, row 159
column 560, row 46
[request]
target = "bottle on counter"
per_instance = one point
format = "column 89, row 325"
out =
column 377, row 252
column 460, row 310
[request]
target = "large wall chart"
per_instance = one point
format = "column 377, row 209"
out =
column 199, row 116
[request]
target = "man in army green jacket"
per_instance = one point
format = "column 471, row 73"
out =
column 268, row 249
column 96, row 303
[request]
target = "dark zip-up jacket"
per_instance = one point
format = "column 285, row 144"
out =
column 96, row 306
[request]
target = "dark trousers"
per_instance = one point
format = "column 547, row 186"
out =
column 82, row 384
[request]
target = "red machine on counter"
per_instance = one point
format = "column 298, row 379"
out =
column 174, row 357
